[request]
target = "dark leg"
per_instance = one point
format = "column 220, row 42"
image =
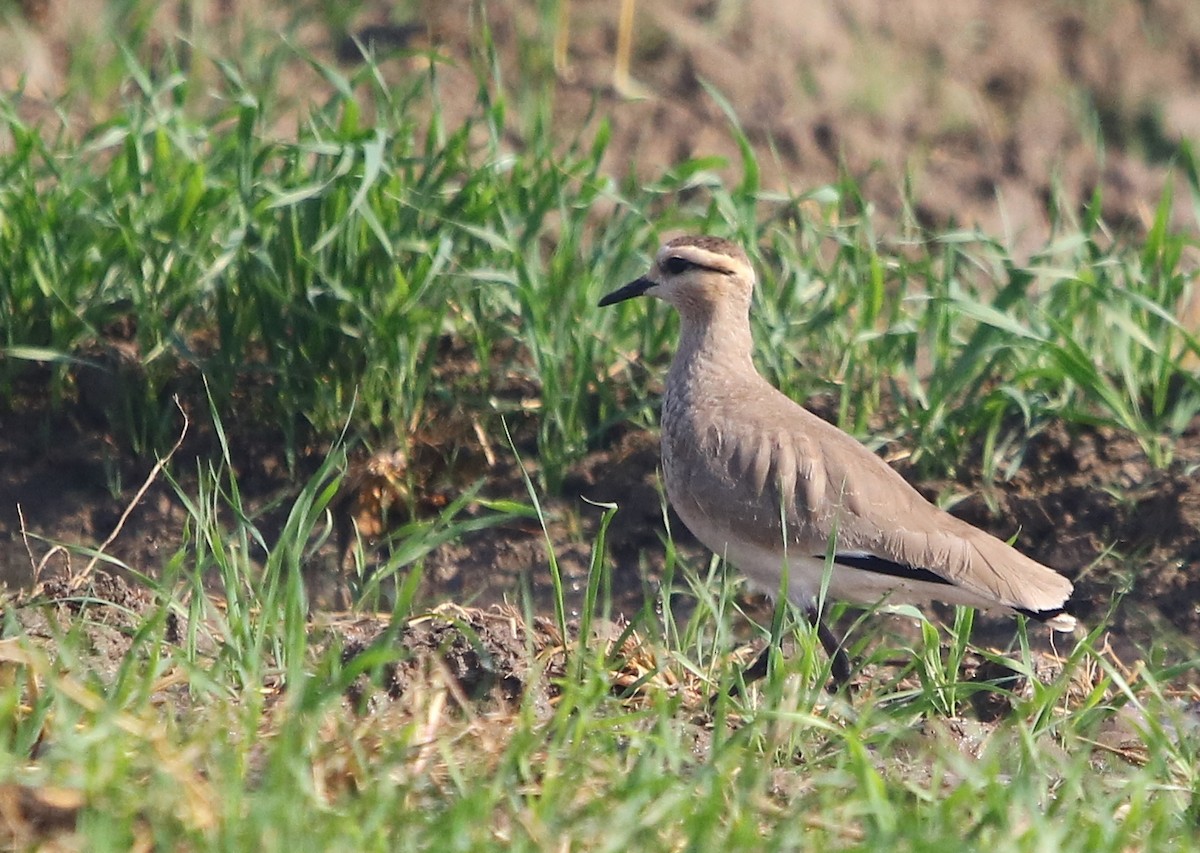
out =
column 750, row 674
column 756, row 670
column 839, row 663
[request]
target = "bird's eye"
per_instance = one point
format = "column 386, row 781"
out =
column 675, row 265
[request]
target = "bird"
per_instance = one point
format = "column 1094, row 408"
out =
column 771, row 487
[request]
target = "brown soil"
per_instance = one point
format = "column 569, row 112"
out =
column 485, row 654
column 1087, row 503
column 985, row 108
column 988, row 110
column 1090, row 504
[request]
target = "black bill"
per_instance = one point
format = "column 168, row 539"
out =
column 634, row 288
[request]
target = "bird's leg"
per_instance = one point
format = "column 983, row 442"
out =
column 839, row 663
column 752, row 673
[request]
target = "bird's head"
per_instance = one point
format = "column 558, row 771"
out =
column 697, row 275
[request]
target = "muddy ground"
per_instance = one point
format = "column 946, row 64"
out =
column 989, row 110
column 1087, row 502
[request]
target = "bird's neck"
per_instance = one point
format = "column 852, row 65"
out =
column 713, row 346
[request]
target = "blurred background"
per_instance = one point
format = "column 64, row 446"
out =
column 984, row 112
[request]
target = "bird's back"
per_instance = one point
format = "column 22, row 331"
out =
column 747, row 466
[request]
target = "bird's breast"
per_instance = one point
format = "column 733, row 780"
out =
column 724, row 480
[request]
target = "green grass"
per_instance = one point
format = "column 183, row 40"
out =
column 322, row 271
column 311, row 280
column 237, row 731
